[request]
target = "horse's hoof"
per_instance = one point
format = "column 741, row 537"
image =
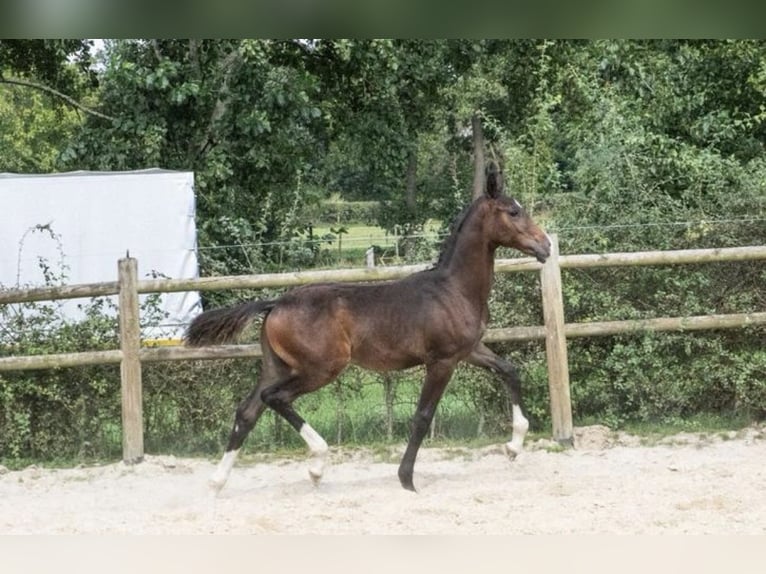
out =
column 410, row 487
column 215, row 486
column 315, row 476
column 510, row 451
column 407, row 484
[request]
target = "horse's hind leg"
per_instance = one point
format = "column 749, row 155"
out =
column 482, row 356
column 248, row 413
column 280, row 397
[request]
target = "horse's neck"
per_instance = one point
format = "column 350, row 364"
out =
column 471, row 264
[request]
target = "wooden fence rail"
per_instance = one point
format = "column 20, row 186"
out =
column 555, row 332
column 291, row 279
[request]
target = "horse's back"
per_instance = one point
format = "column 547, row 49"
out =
column 380, row 326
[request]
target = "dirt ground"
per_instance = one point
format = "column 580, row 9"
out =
column 610, row 483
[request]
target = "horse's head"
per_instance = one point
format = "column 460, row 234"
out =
column 510, row 225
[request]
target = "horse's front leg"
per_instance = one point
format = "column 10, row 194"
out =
column 437, row 376
column 483, row 357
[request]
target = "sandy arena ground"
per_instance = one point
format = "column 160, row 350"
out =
column 687, row 483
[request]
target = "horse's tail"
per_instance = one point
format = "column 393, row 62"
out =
column 219, row 326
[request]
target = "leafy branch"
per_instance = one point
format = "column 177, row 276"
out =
column 69, row 100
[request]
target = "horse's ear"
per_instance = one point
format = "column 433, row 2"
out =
column 494, row 181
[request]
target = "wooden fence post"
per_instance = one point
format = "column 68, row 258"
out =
column 130, row 367
column 556, row 347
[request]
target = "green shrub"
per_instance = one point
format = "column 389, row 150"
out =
column 58, row 413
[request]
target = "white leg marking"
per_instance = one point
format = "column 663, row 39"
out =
column 318, row 448
column 520, row 427
column 221, row 473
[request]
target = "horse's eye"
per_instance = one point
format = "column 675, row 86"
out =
column 514, row 209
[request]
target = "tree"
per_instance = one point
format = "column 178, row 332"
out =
column 385, row 95
column 41, row 82
column 59, row 64
column 31, row 131
column 242, row 114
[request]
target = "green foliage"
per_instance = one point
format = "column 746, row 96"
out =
column 668, row 377
column 62, row 413
column 31, row 131
column 33, row 123
column 60, row 64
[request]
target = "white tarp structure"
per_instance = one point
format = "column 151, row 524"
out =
column 79, row 224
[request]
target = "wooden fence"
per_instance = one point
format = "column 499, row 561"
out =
column 555, row 331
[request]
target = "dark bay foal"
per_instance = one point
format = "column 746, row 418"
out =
column 434, row 318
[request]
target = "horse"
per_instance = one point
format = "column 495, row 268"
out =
column 435, row 317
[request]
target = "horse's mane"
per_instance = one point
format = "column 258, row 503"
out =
column 448, row 246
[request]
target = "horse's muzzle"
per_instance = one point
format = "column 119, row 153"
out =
column 542, row 249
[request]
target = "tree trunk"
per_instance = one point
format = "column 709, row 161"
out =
column 411, row 189
column 478, row 156
column 338, row 412
column 388, row 386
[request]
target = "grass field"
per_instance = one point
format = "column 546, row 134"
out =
column 351, row 246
